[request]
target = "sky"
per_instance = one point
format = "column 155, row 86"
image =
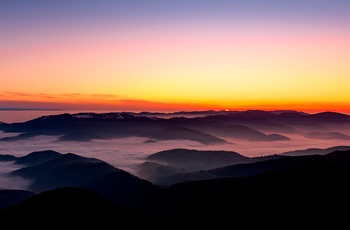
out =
column 160, row 55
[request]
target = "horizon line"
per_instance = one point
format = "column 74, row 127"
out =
column 171, row 112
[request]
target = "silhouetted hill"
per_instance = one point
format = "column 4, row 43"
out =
column 153, row 171
column 181, row 113
column 299, row 191
column 224, row 126
column 313, row 192
column 249, row 167
column 54, row 124
column 294, row 122
column 80, row 126
column 7, row 157
column 9, row 197
column 237, row 170
column 245, row 133
column 180, row 133
column 330, row 117
column 66, row 170
column 315, row 151
column 196, row 159
column 159, row 167
column 66, row 206
column 81, row 135
column 211, row 128
column 327, row 136
column 70, row 170
column 38, row 157
column 124, row 189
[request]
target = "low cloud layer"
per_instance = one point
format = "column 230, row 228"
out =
column 127, row 153
column 11, row 182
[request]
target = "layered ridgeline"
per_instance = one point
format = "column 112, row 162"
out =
column 87, row 190
column 207, row 128
column 179, row 185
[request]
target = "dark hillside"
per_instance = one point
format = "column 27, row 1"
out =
column 68, row 206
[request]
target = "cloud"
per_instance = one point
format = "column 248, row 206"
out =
column 95, row 101
column 13, row 94
column 128, row 153
column 99, row 95
column 69, row 101
column 116, row 103
column 11, row 182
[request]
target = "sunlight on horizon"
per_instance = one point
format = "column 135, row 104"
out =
column 175, row 56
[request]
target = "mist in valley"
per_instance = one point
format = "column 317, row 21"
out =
column 11, row 182
column 128, row 153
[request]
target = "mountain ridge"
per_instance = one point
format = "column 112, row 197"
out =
column 316, row 188
column 89, row 126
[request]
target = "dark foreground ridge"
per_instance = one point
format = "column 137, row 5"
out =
column 310, row 190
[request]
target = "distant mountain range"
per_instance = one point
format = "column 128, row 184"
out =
column 209, row 128
column 182, row 187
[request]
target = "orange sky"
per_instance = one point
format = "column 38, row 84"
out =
column 169, row 65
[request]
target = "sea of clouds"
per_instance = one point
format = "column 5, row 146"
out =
column 128, row 153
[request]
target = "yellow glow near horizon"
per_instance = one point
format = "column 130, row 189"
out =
column 232, row 69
